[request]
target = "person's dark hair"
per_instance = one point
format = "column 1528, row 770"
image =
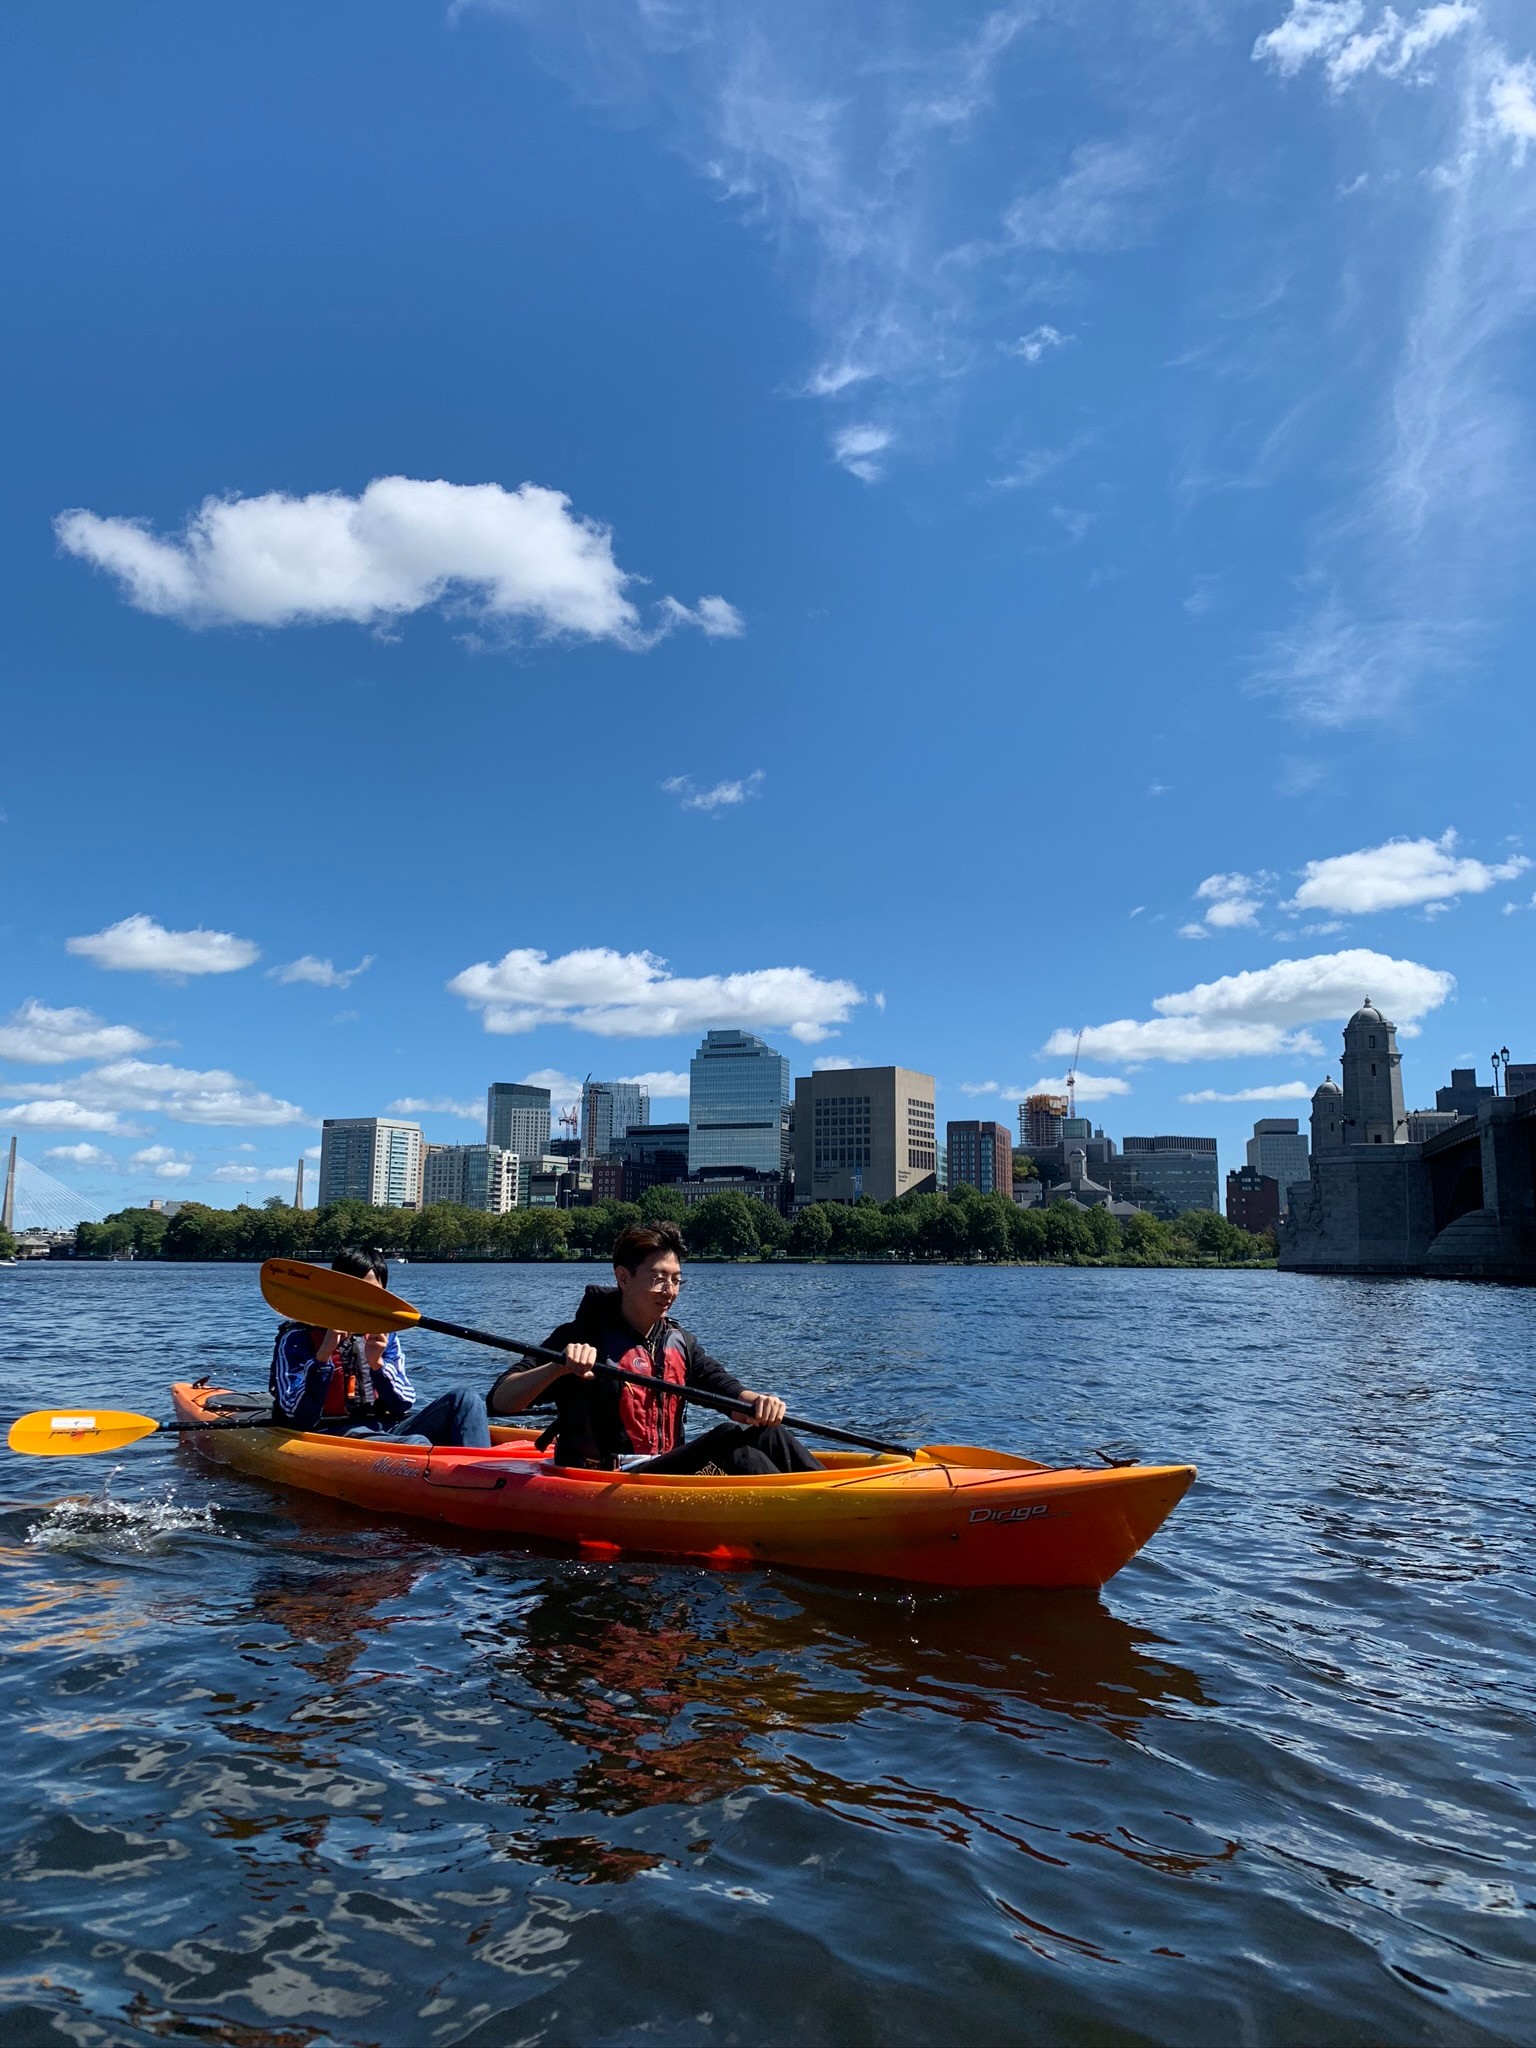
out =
column 361, row 1264
column 642, row 1241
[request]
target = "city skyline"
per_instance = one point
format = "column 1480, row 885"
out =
column 916, row 393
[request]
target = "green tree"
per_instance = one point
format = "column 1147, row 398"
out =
column 1067, row 1234
column 810, row 1234
column 724, row 1224
column 1023, row 1166
column 439, row 1231
column 8, row 1243
column 1026, row 1231
column 663, row 1205
column 198, row 1232
column 988, row 1225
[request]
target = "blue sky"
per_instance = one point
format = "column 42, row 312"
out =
column 536, row 529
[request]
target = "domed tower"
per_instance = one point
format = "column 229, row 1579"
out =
column 1373, row 1080
column 1327, row 1118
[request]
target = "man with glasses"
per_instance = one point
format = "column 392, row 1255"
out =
column 611, row 1423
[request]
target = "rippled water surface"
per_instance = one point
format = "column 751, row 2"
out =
column 275, row 1775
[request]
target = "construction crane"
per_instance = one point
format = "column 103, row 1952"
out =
column 1072, row 1078
column 570, row 1119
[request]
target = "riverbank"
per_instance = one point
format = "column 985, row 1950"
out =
column 959, row 1229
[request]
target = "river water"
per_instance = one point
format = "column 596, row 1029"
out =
column 275, row 1776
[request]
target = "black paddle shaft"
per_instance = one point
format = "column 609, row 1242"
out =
column 540, row 1354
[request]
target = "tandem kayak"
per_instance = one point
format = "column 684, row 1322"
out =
column 953, row 1515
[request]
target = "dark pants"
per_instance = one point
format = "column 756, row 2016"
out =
column 733, row 1449
column 458, row 1419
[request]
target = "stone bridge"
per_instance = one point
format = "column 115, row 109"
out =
column 1461, row 1206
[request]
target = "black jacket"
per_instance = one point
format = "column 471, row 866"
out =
column 597, row 1420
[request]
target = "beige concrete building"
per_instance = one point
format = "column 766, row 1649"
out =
column 863, row 1131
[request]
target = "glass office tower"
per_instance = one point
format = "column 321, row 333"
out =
column 737, row 1091
column 517, row 1118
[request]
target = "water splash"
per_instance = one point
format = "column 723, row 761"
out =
column 99, row 1522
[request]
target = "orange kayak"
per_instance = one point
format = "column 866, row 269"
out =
column 954, row 1515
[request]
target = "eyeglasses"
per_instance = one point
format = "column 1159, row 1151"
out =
column 663, row 1281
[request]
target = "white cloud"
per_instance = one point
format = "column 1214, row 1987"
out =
column 1098, row 203
column 1398, row 874
column 1260, row 1012
column 631, row 995
column 1279, row 1091
column 715, row 618
column 1512, row 105
column 1032, row 346
column 858, row 449
column 437, row 1105
column 137, row 945
column 510, row 557
column 81, row 1155
column 1330, row 32
column 62, row 1113
column 831, row 1063
column 238, row 1175
column 1234, row 899
column 39, row 1037
column 162, row 1156
column 184, row 1094
column 1407, row 576
column 312, row 1152
column 563, row 1088
column 322, row 973
column 722, row 796
column 1089, row 1087
column 662, row 1082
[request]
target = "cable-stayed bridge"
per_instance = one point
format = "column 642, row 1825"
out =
column 43, row 1203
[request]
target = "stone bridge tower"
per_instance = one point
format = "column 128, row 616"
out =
column 1373, row 1080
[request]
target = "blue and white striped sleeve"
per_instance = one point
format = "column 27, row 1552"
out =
column 391, row 1369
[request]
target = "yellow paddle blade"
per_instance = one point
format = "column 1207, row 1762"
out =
column 77, row 1432
column 333, row 1301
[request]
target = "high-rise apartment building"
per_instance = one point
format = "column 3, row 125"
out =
column 609, row 1109
column 474, row 1176
column 980, row 1157
column 1040, row 1121
column 371, row 1159
column 737, row 1089
column 1278, row 1149
column 864, row 1131
column 517, row 1118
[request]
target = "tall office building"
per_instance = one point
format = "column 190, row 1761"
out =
column 608, row 1110
column 1278, row 1149
column 980, row 1157
column 1166, row 1175
column 371, row 1159
column 474, row 1176
column 864, row 1131
column 517, row 1118
column 737, row 1089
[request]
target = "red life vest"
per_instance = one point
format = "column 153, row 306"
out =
column 653, row 1422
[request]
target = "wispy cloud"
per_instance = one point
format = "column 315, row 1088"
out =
column 438, row 1105
column 1409, row 573
column 722, row 796
column 1278, row 1091
column 859, row 449
column 321, row 973
column 184, row 1094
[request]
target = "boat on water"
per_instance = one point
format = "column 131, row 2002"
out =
column 951, row 1515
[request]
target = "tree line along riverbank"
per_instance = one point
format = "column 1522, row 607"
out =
column 962, row 1225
